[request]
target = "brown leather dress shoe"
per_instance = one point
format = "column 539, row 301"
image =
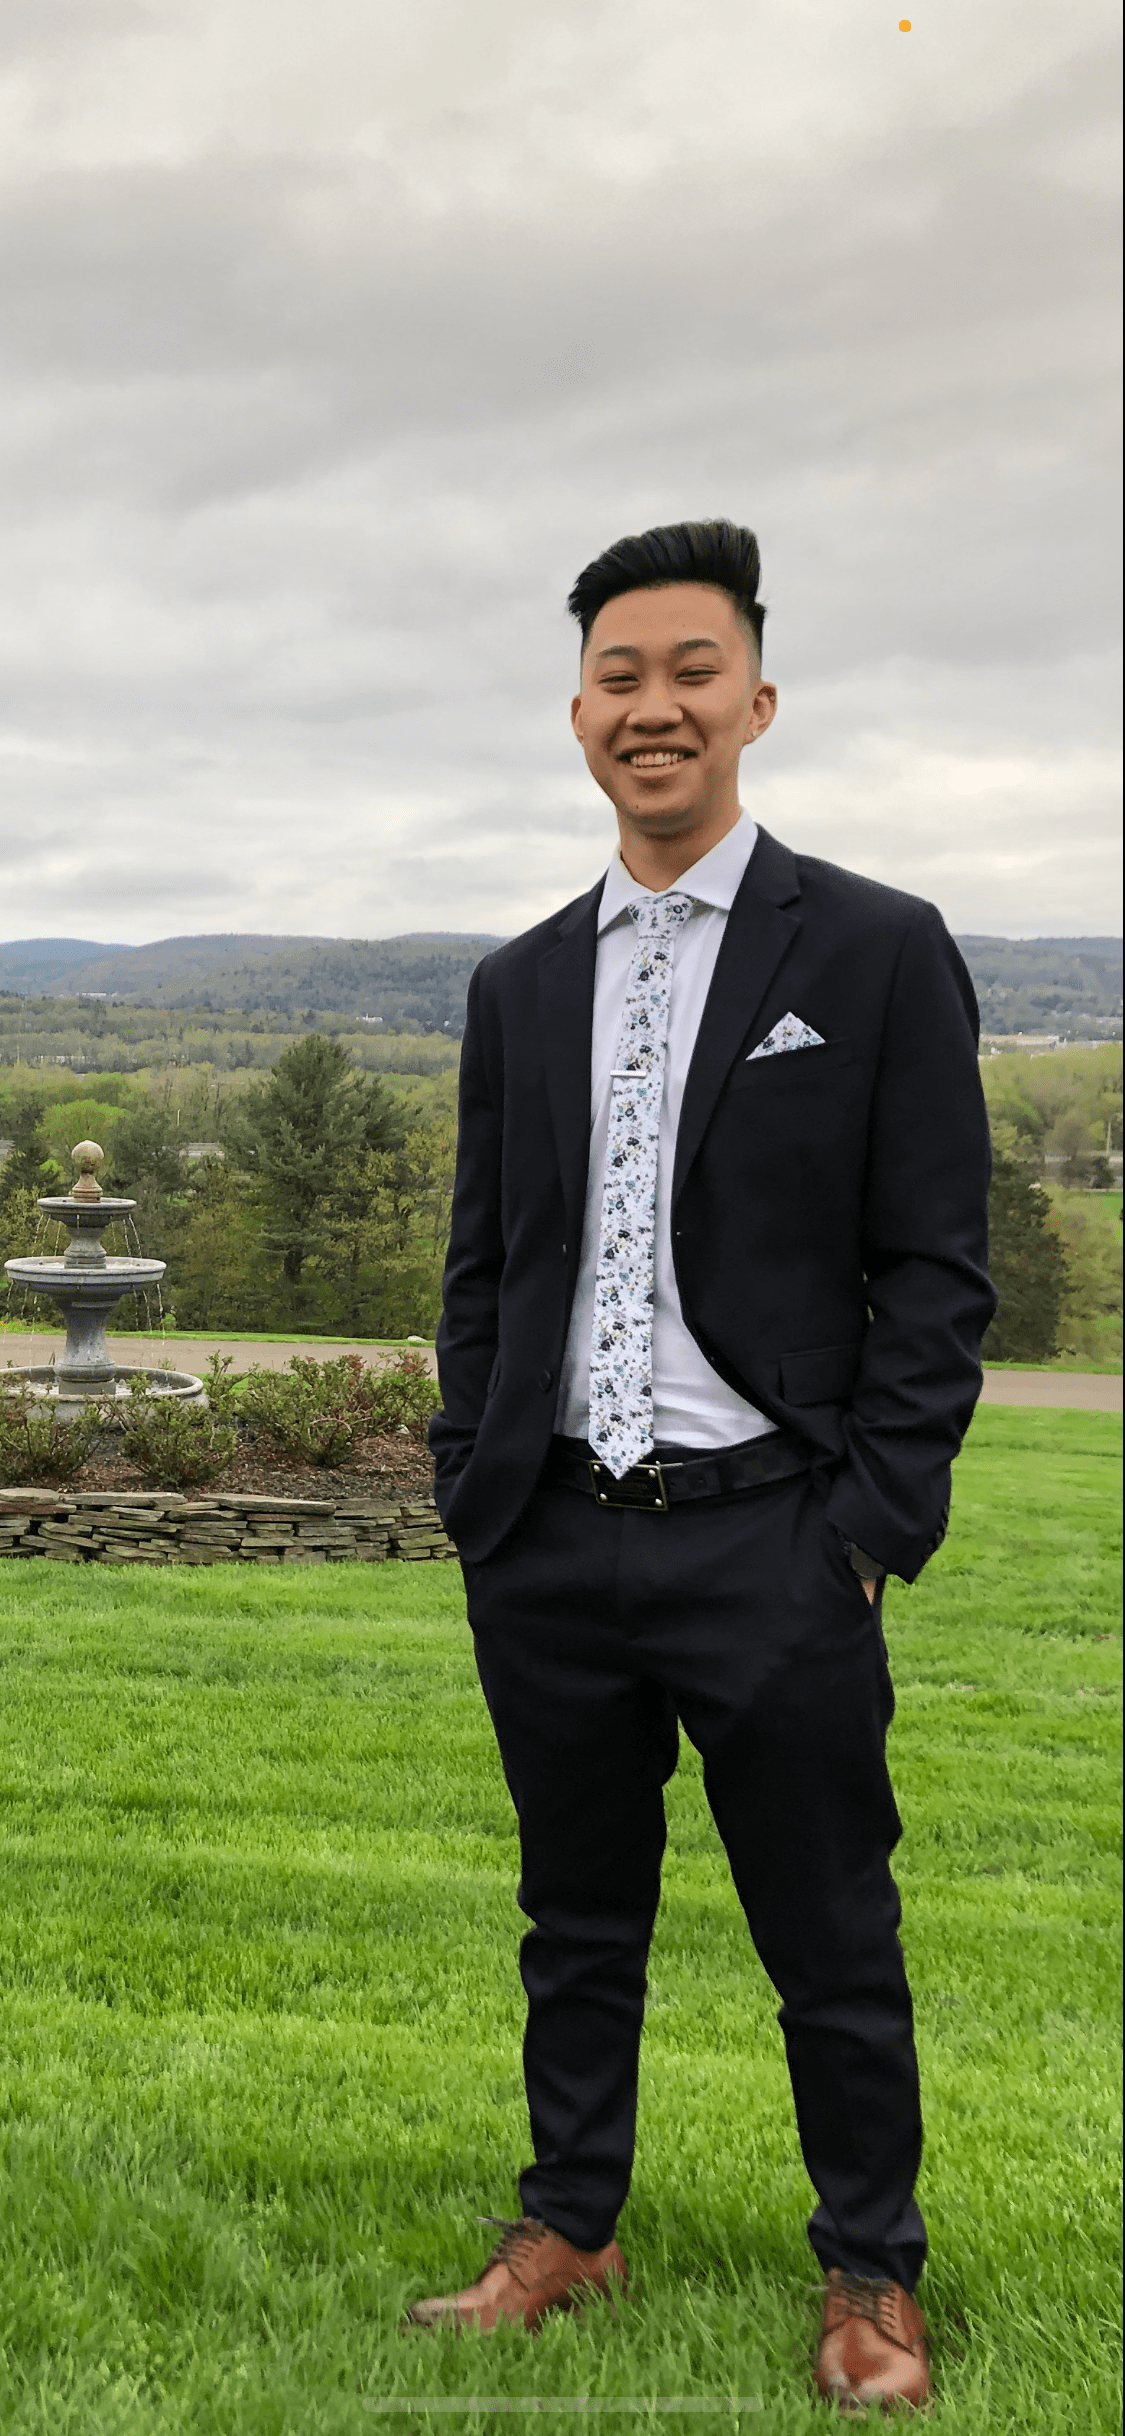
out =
column 872, row 2346
column 531, row 2270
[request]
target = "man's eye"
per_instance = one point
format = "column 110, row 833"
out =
column 698, row 672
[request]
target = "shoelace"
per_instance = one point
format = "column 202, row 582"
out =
column 866, row 2296
column 518, row 2234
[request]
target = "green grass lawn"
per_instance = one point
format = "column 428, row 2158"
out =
column 259, row 2057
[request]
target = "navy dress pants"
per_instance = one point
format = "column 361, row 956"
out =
column 595, row 1631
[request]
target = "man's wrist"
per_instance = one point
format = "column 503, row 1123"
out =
column 868, row 1568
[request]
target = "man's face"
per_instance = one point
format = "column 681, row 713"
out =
column 671, row 692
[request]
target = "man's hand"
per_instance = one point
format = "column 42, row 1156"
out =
column 865, row 1568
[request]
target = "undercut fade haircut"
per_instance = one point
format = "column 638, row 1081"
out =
column 715, row 552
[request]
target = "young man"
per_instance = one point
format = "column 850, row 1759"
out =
column 713, row 1307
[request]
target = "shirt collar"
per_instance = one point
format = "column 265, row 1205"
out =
column 714, row 880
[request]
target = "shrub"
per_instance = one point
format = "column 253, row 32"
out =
column 35, row 1445
column 323, row 1411
column 401, row 1396
column 222, row 1390
column 174, row 1445
column 313, row 1409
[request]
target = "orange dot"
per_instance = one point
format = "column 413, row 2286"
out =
column 904, row 25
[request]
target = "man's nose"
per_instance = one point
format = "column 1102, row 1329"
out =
column 654, row 707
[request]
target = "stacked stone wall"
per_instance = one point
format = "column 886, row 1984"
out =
column 161, row 1527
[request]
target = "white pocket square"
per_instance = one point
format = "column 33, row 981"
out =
column 790, row 1033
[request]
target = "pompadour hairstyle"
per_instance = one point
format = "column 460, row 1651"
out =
column 714, row 552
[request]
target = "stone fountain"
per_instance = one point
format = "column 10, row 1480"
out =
column 88, row 1282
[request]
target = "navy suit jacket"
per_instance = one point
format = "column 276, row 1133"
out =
column 828, row 1204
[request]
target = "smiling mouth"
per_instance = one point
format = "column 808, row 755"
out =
column 649, row 760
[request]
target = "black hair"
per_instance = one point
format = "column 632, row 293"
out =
column 716, row 552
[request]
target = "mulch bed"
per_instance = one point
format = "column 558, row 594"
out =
column 385, row 1467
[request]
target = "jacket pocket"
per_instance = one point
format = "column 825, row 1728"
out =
column 825, row 1376
column 790, row 1067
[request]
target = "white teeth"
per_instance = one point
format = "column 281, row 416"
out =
column 655, row 761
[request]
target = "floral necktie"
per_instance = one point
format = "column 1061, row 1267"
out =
column 621, row 1335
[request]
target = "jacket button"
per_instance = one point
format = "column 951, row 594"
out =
column 546, row 1379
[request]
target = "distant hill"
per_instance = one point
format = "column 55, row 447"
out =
column 44, row 964
column 417, row 983
column 1071, row 986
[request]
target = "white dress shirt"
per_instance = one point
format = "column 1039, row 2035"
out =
column 691, row 1404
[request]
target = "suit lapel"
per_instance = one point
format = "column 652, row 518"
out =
column 566, row 1022
column 758, row 933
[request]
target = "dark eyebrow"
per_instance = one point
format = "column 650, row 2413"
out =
column 628, row 651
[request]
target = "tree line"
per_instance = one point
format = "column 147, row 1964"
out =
column 321, row 1202
column 1054, row 1231
column 97, row 1036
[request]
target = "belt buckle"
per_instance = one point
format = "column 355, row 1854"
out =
column 652, row 1492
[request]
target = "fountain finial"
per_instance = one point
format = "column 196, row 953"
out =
column 87, row 1156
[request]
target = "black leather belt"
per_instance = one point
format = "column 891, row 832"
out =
column 672, row 1478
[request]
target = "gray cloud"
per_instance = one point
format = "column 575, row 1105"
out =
column 336, row 347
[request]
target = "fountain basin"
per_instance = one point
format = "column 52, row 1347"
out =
column 85, row 1220
column 87, row 1291
column 63, row 1278
column 46, row 1381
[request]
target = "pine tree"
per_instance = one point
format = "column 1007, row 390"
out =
column 28, row 1168
column 140, row 1153
column 302, row 1132
column 1028, row 1265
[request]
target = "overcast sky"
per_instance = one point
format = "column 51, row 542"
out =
column 340, row 336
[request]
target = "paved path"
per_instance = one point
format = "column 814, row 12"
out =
column 1086, row 1391
column 1079, row 1390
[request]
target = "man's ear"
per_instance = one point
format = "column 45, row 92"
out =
column 576, row 717
column 761, row 711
